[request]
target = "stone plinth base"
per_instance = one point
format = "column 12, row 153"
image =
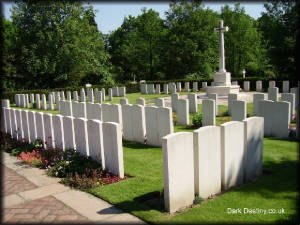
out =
column 222, row 79
column 223, row 90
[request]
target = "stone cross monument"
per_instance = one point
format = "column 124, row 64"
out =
column 221, row 31
column 222, row 79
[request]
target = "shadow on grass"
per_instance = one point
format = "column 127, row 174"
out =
column 278, row 178
column 135, row 145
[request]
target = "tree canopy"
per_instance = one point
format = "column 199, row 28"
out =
column 49, row 44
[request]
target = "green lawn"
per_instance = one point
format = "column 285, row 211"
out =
column 142, row 196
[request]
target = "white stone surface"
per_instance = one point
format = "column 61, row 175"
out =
column 254, row 145
column 69, row 96
column 82, row 95
column 160, row 102
column 91, row 95
column 3, row 120
column 174, row 101
column 93, row 111
column 195, row 86
column 172, row 88
column 112, row 113
column 232, row 154
column 214, row 96
column 62, row 95
column 157, row 88
column 204, row 85
column 31, row 98
column 95, row 142
column 285, row 86
column 151, row 125
column 115, row 91
column 183, row 112
column 81, row 136
column 127, row 122
column 19, row 124
column 207, row 161
column 110, row 94
column 231, row 97
column 165, row 123
column 138, row 123
column 234, row 83
column 98, row 97
column 122, row 91
column 265, row 110
column 22, row 100
column 57, row 99
column 5, row 103
column 246, row 85
column 44, row 102
column 272, row 84
column 40, row 130
column 166, row 89
column 79, row 109
column 259, row 85
column 75, row 96
column 193, row 107
column 256, row 99
column 123, row 101
column 25, row 125
column 273, row 94
column 144, row 89
column 49, row 131
column 26, row 100
column 113, row 150
column 296, row 92
column 65, row 108
column 32, row 125
column 208, row 112
column 289, row 97
column 51, row 105
column 38, row 101
column 239, row 110
column 68, row 132
column 140, row 101
column 58, row 132
column 8, row 121
column 178, row 164
column 103, row 94
column 187, row 86
column 13, row 122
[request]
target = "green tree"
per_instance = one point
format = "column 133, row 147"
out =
column 135, row 46
column 244, row 48
column 191, row 46
column 280, row 27
column 58, row 45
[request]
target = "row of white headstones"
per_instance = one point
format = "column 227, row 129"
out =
column 93, row 95
column 176, row 87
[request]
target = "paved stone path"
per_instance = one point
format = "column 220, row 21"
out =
column 30, row 196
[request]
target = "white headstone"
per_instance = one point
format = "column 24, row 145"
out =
column 40, row 130
column 58, row 132
column 95, row 142
column 160, row 102
column 38, row 101
column 183, row 112
column 178, row 163
column 103, row 94
column 272, row 84
column 166, row 89
column 32, row 125
column 75, row 95
column 195, row 86
column 254, row 145
column 68, row 132
column 232, row 154
column 174, row 101
column 13, row 122
column 57, row 99
column 273, row 94
column 62, row 95
column 140, row 101
column 256, row 99
column 8, row 121
column 98, row 97
column 231, row 97
column 246, row 85
column 69, row 96
column 157, row 88
column 193, row 107
column 123, row 101
column 91, row 95
column 122, row 91
column 82, row 95
column 49, row 132
column 93, row 111
column 239, row 110
column 113, row 151
column 207, row 159
column 285, row 86
column 204, row 85
column 259, row 85
column 178, row 86
column 208, row 112
column 144, row 89
column 165, row 123
column 289, row 97
column 31, row 98
column 187, row 86
column 19, row 124
column 25, row 125
column 65, row 108
column 115, row 91
column 110, row 94
column 79, row 109
column 214, row 96
column 81, row 136
column 51, row 105
column 44, row 102
column 151, row 125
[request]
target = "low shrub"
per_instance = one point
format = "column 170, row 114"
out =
column 197, row 120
